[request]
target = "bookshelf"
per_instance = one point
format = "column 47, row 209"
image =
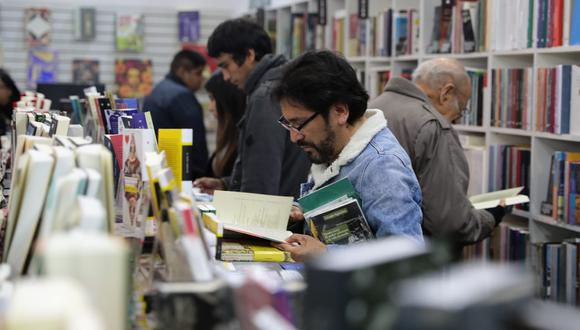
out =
column 509, row 45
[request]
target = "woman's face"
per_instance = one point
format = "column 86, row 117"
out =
column 212, row 106
column 5, row 94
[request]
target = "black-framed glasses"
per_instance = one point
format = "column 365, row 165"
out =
column 289, row 126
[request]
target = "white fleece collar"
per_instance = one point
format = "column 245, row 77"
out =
column 375, row 122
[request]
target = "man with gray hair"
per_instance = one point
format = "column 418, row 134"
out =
column 420, row 114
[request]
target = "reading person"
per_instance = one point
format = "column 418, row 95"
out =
column 420, row 114
column 324, row 109
column 267, row 162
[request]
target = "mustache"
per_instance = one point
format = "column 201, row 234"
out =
column 303, row 143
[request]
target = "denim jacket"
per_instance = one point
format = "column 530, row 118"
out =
column 381, row 173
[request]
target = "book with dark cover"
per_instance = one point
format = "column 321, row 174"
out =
column 468, row 33
column 344, row 223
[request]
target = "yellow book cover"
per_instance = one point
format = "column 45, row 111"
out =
column 178, row 147
column 230, row 250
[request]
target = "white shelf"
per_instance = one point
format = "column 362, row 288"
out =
column 469, row 128
column 559, row 50
column 510, row 131
column 356, row 59
column 459, row 56
column 406, row 58
column 551, row 222
column 521, row 213
column 517, row 52
column 379, row 59
column 562, row 137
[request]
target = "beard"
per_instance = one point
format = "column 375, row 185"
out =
column 322, row 153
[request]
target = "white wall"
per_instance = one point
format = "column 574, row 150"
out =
column 237, row 7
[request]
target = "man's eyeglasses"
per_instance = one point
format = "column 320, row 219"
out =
column 289, row 126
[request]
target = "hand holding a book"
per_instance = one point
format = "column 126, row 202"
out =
column 302, row 247
column 209, row 185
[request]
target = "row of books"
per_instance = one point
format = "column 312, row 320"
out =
column 381, row 33
column 557, row 100
column 474, row 115
column 407, row 32
column 509, row 167
column 460, row 27
column 557, row 23
column 557, row 270
column 512, row 98
column 303, row 32
column 357, row 36
column 510, row 242
column 563, row 192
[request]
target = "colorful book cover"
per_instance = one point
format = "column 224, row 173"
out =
column 130, row 32
column 38, row 26
column 42, row 66
column 84, row 23
column 189, row 30
column 85, row 71
column 136, row 142
column 134, row 77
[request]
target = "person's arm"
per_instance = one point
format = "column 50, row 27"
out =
column 447, row 212
column 186, row 112
column 392, row 207
column 264, row 146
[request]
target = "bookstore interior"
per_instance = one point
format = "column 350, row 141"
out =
column 150, row 250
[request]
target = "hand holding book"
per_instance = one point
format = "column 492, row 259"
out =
column 302, row 247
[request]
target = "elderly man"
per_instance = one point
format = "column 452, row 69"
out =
column 420, row 114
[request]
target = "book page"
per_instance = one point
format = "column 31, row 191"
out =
column 253, row 210
column 491, row 199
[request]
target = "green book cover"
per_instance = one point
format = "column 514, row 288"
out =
column 326, row 194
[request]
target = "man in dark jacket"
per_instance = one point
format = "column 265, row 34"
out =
column 420, row 114
column 268, row 162
column 173, row 104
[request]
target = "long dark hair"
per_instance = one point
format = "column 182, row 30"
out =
column 230, row 105
column 6, row 109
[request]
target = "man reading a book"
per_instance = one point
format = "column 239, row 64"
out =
column 267, row 162
column 420, row 114
column 324, row 109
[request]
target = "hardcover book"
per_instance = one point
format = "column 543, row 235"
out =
column 179, row 148
column 239, row 250
column 42, row 66
column 38, row 26
column 189, row 30
column 85, row 71
column 84, row 23
column 334, row 215
column 130, row 33
column 134, row 77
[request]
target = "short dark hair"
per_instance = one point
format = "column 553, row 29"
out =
column 237, row 37
column 11, row 85
column 187, row 59
column 319, row 79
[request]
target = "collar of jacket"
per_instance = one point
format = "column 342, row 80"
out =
column 262, row 71
column 403, row 86
column 175, row 78
column 375, row 122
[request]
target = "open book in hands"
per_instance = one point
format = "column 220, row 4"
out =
column 256, row 215
column 492, row 199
